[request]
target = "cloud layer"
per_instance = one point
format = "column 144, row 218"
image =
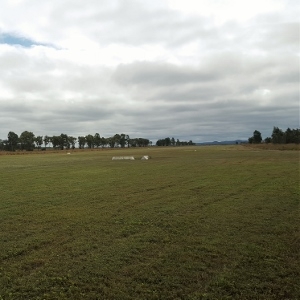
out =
column 211, row 71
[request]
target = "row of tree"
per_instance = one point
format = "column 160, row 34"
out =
column 171, row 142
column 290, row 136
column 28, row 141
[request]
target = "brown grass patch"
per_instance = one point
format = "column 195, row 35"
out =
column 280, row 147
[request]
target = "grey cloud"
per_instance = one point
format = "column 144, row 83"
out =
column 221, row 76
column 232, row 98
column 131, row 23
column 147, row 74
column 223, row 83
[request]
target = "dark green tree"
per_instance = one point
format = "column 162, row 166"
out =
column 292, row 136
column 110, row 142
column 4, row 145
column 173, row 143
column 27, row 140
column 47, row 140
column 141, row 142
column 39, row 141
column 127, row 139
column 97, row 140
column 167, row 141
column 133, row 142
column 81, row 142
column 256, row 138
column 296, row 136
column 122, row 140
column 116, row 140
column 72, row 141
column 268, row 140
column 12, row 139
column 161, row 142
column 89, row 140
column 278, row 136
column 55, row 141
column 64, row 141
column 103, row 142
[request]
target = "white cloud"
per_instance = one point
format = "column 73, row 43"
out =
column 220, row 11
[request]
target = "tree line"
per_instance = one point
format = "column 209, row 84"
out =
column 290, row 136
column 28, row 141
column 171, row 142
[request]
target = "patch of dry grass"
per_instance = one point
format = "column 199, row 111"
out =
column 271, row 146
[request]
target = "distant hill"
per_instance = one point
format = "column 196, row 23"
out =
column 222, row 143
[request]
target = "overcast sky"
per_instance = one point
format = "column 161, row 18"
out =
column 191, row 69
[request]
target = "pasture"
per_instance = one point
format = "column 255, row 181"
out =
column 219, row 222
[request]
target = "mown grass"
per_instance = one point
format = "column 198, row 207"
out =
column 191, row 223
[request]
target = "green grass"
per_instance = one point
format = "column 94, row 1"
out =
column 215, row 223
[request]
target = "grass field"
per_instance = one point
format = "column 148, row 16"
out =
column 191, row 223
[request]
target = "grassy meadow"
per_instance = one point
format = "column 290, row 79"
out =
column 215, row 222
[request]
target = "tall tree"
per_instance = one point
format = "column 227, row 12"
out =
column 268, row 140
column 81, row 142
column 110, row 142
column 116, row 140
column 55, row 140
column 64, row 141
column 122, row 140
column 27, row 140
column 72, row 141
column 256, row 138
column 292, row 136
column 89, row 140
column 103, row 142
column 47, row 140
column 167, row 141
column 4, row 145
column 173, row 143
column 39, row 141
column 296, row 136
column 13, row 140
column 160, row 142
column 142, row 142
column 97, row 140
column 278, row 136
column 127, row 139
column 131, row 143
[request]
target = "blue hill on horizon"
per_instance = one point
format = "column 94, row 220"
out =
column 222, row 142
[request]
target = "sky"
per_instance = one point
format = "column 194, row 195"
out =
column 201, row 70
